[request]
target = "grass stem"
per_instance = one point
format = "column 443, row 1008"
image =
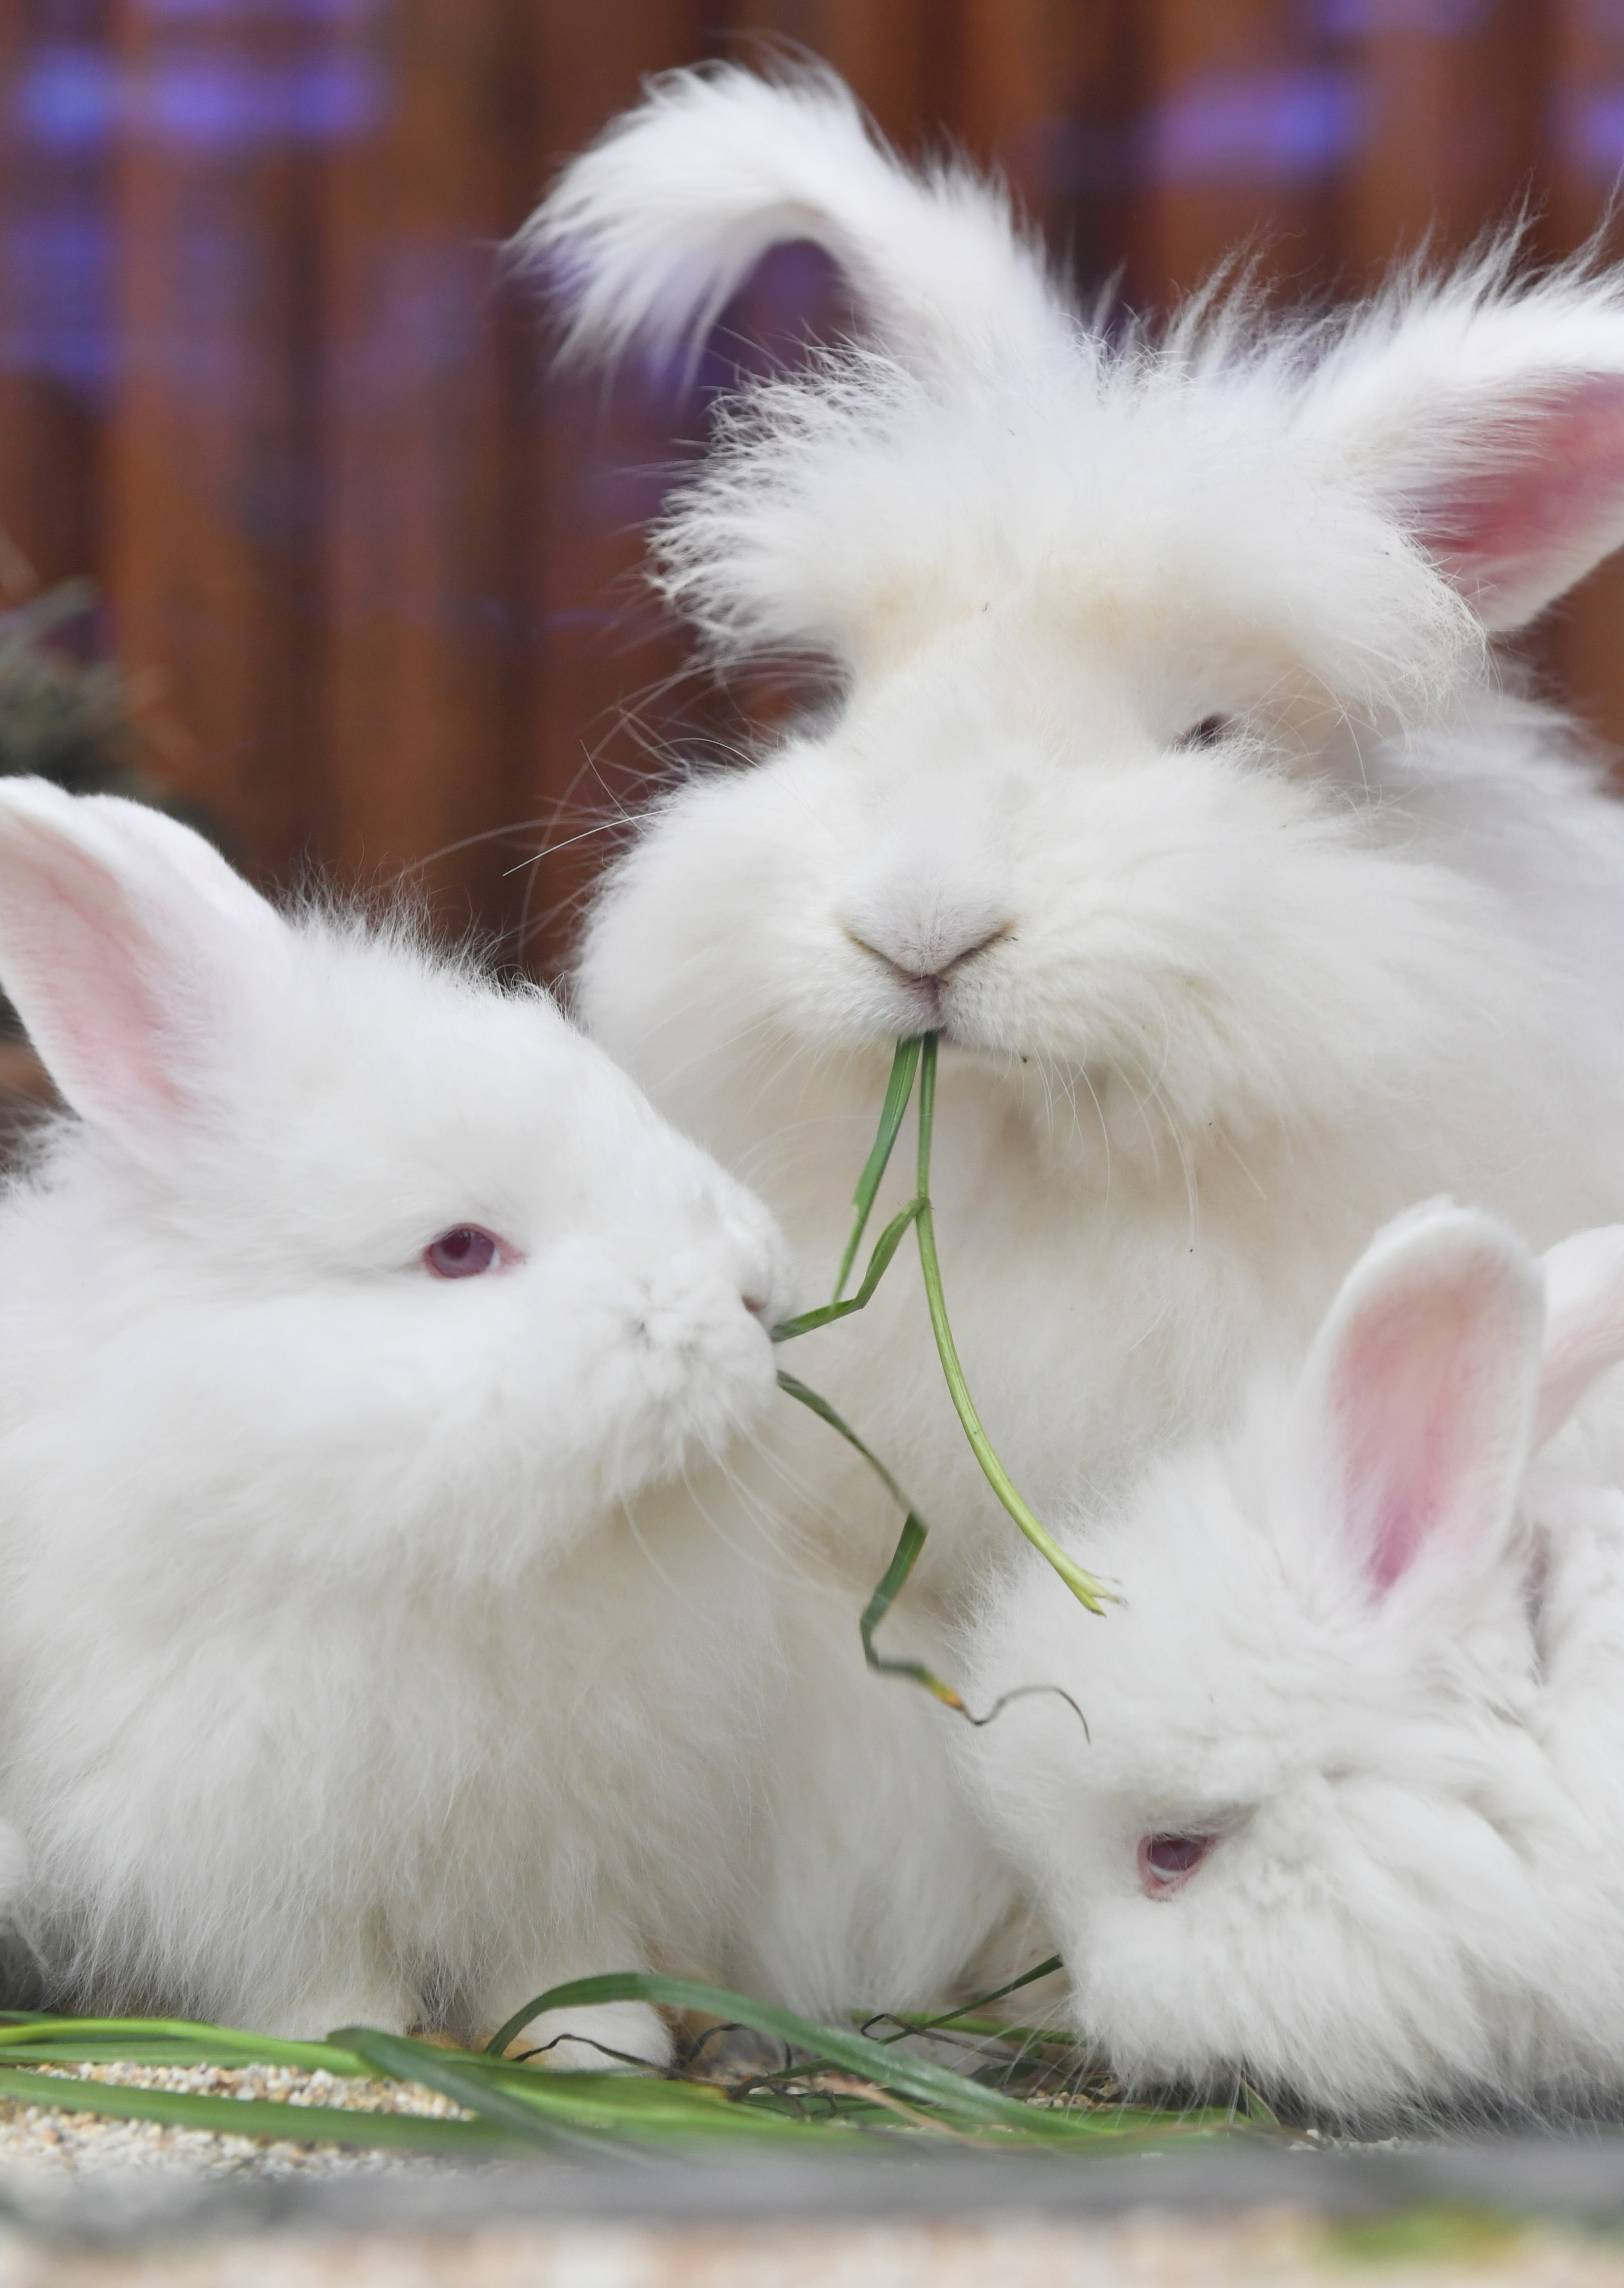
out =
column 1081, row 1582
column 903, row 1562
column 899, row 1088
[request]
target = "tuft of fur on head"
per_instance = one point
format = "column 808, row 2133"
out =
column 648, row 234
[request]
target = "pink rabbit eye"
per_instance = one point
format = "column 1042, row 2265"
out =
column 465, row 1251
column 1166, row 1862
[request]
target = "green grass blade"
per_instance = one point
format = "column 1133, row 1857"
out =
column 225, row 2044
column 899, row 1088
column 398, row 2059
column 650, row 2109
column 885, row 1247
column 903, row 1562
column 796, row 1389
column 950, row 2094
column 559, row 2103
column 235, row 2116
column 1081, row 1583
column 954, row 2017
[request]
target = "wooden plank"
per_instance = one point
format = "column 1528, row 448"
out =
column 1044, row 91
column 899, row 56
column 1584, row 155
column 1242, row 127
column 211, row 508
column 424, row 645
column 55, row 315
column 1449, row 113
column 596, row 640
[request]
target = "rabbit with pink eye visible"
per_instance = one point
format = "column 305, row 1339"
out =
column 1173, row 774
column 1350, row 1823
column 376, row 1640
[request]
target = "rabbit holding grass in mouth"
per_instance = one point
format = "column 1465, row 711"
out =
column 1175, row 778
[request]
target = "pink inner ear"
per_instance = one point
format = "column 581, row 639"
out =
column 1545, row 502
column 107, row 1023
column 1397, row 1400
column 78, row 961
column 1428, row 1407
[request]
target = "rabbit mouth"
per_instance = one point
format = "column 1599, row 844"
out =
column 925, row 990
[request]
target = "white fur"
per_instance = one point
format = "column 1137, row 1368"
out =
column 360, row 1658
column 1210, row 1013
column 1414, row 1773
column 874, row 1887
column 662, row 218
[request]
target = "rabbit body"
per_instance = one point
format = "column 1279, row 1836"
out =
column 361, row 1656
column 1350, row 1824
column 875, row 1886
column 1171, row 775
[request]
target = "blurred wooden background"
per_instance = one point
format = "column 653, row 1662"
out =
column 261, row 376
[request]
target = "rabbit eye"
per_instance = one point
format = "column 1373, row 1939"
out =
column 1207, row 733
column 1167, row 1862
column 465, row 1251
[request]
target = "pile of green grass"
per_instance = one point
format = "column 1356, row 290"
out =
column 1022, row 2088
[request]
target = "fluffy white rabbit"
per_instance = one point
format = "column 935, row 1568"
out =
column 360, row 1657
column 1350, row 1823
column 875, row 1886
column 1173, row 775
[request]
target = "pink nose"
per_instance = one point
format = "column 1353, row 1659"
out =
column 925, row 951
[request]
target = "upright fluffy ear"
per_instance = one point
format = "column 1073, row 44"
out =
column 1415, row 1411
column 1491, row 418
column 1584, row 1322
column 123, row 941
column 655, row 226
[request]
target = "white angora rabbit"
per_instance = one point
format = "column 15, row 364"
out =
column 354, row 1663
column 1351, row 1821
column 1175, row 778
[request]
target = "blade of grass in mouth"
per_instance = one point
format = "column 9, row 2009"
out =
column 916, row 1058
column 1076, row 1578
column 899, row 1088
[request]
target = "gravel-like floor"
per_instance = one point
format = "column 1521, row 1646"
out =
column 1277, row 2249
column 34, row 2137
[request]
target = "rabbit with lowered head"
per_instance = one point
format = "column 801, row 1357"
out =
column 359, row 1657
column 1350, row 1823
column 1173, row 776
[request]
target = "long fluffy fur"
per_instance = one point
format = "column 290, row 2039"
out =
column 1413, row 1898
column 1211, row 1013
column 662, row 218
column 1173, row 774
column 363, row 1653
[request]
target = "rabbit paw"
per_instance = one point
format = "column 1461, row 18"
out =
column 596, row 2040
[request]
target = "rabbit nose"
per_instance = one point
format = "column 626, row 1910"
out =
column 927, row 952
column 760, row 1276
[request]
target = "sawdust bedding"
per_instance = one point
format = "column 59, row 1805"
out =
column 36, row 2137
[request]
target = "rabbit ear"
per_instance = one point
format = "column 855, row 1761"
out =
column 1584, row 1322
column 120, row 932
column 1416, row 1408
column 653, row 228
column 1492, row 421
